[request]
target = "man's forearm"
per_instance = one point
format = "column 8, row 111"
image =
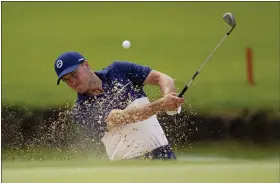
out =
column 132, row 115
column 166, row 84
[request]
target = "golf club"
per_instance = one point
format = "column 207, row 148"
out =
column 229, row 19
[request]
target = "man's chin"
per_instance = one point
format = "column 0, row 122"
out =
column 81, row 90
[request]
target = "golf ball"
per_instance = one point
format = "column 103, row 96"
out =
column 126, row 44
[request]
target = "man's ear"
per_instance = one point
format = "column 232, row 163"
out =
column 85, row 63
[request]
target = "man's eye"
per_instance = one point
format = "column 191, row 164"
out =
column 73, row 74
column 65, row 80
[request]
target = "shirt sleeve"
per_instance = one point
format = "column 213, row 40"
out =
column 136, row 73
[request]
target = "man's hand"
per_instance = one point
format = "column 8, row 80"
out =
column 172, row 102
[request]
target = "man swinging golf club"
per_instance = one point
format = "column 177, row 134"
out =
column 112, row 105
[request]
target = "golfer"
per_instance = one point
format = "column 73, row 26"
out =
column 111, row 103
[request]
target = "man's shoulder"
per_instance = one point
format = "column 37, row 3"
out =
column 118, row 64
column 117, row 67
column 114, row 66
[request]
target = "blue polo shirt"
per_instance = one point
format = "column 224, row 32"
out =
column 122, row 83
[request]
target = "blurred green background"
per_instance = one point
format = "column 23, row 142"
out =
column 172, row 37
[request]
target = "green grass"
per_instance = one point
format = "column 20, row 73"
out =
column 139, row 172
column 225, row 149
column 172, row 37
column 231, row 149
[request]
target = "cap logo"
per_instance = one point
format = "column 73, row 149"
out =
column 59, row 63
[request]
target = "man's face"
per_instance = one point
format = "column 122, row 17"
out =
column 78, row 80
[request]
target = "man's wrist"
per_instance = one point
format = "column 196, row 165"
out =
column 159, row 105
column 169, row 90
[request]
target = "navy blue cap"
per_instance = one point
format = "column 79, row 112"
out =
column 66, row 63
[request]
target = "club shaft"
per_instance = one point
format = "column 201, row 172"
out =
column 207, row 59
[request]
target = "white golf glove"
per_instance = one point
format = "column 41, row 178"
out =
column 171, row 113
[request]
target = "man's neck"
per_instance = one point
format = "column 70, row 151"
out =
column 95, row 87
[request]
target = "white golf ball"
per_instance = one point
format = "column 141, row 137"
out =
column 126, row 44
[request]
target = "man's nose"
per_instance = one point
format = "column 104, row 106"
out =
column 72, row 82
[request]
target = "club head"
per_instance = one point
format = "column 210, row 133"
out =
column 229, row 19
